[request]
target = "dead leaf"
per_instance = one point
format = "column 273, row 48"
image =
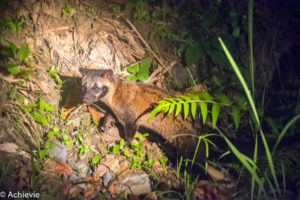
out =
column 93, row 111
column 91, row 179
column 90, row 192
column 112, row 189
column 57, row 167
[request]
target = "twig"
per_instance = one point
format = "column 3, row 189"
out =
column 162, row 68
column 145, row 43
column 153, row 76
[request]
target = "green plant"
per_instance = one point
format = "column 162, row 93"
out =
column 139, row 9
column 40, row 112
column 149, row 163
column 52, row 72
column 95, row 160
column 138, row 154
column 188, row 186
column 15, row 58
column 251, row 164
column 83, row 148
column 11, row 24
column 163, row 161
column 66, row 10
column 140, row 70
column 116, row 11
column 120, row 147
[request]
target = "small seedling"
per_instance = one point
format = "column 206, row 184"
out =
column 66, row 10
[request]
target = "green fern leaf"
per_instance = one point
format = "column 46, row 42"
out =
column 193, row 109
column 206, row 96
column 203, row 107
column 156, row 110
column 194, row 104
column 215, row 113
column 178, row 107
column 186, row 105
column 165, row 104
column 172, row 105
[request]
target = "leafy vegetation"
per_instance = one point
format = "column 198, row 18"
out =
column 140, row 70
column 15, row 58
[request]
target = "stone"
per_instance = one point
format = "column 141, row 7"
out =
column 136, row 184
column 59, row 152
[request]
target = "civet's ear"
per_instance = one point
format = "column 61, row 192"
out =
column 108, row 74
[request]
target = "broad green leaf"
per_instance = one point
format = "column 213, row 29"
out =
column 218, row 57
column 132, row 77
column 203, row 107
column 193, row 54
column 12, row 47
column 145, row 64
column 223, row 99
column 42, row 154
column 95, row 159
column 215, row 113
column 25, row 74
column 143, row 74
column 236, row 116
column 50, row 134
column 126, row 153
column 122, row 142
column 12, row 68
column 23, row 52
column 116, row 148
column 242, row 102
column 133, row 68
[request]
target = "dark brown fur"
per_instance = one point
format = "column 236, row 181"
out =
column 132, row 102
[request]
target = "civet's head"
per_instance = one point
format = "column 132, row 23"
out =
column 95, row 84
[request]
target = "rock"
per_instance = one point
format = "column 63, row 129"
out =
column 82, row 168
column 106, row 178
column 59, row 152
column 180, row 75
column 136, row 184
column 109, row 163
column 76, row 179
column 112, row 135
